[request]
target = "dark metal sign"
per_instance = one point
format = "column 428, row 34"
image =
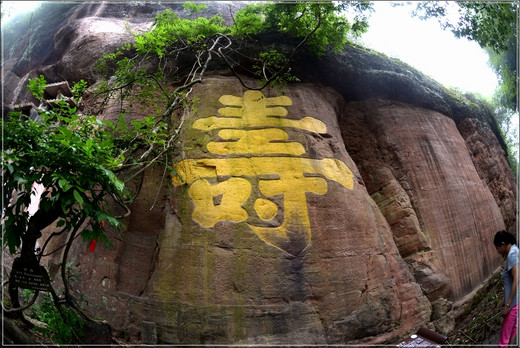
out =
column 424, row 338
column 33, row 277
column 417, row 341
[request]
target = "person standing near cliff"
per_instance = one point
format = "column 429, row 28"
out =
column 505, row 243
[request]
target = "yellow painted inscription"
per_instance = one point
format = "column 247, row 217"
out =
column 255, row 142
column 249, row 128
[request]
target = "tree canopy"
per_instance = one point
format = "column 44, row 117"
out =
column 494, row 26
column 491, row 24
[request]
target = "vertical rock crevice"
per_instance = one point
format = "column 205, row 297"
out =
column 138, row 252
column 492, row 166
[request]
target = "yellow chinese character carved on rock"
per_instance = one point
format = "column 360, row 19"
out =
column 287, row 175
column 255, row 142
column 255, row 110
column 221, row 201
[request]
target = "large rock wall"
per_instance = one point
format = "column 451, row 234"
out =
column 212, row 263
column 419, row 170
column 352, row 218
column 492, row 167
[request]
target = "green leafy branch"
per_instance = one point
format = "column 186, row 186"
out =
column 152, row 59
column 77, row 161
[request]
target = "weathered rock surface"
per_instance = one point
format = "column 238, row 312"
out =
column 429, row 163
column 227, row 283
column 489, row 160
column 357, row 225
column 67, row 39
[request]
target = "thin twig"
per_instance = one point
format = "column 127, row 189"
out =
column 160, row 186
column 53, row 234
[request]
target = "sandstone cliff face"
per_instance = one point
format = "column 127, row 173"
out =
column 351, row 209
column 419, row 162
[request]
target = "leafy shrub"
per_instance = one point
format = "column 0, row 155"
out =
column 79, row 88
column 37, row 86
column 57, row 329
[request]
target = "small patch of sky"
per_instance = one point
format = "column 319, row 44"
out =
column 423, row 44
column 11, row 9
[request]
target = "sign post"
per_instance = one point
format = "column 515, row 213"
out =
column 33, row 277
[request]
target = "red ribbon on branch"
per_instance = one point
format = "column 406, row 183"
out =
column 92, row 245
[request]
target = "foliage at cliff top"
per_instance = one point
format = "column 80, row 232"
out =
column 494, row 26
column 317, row 25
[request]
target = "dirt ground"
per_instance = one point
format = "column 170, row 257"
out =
column 479, row 321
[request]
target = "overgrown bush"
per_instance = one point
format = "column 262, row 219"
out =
column 58, row 330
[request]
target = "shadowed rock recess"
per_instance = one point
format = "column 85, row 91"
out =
column 353, row 208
